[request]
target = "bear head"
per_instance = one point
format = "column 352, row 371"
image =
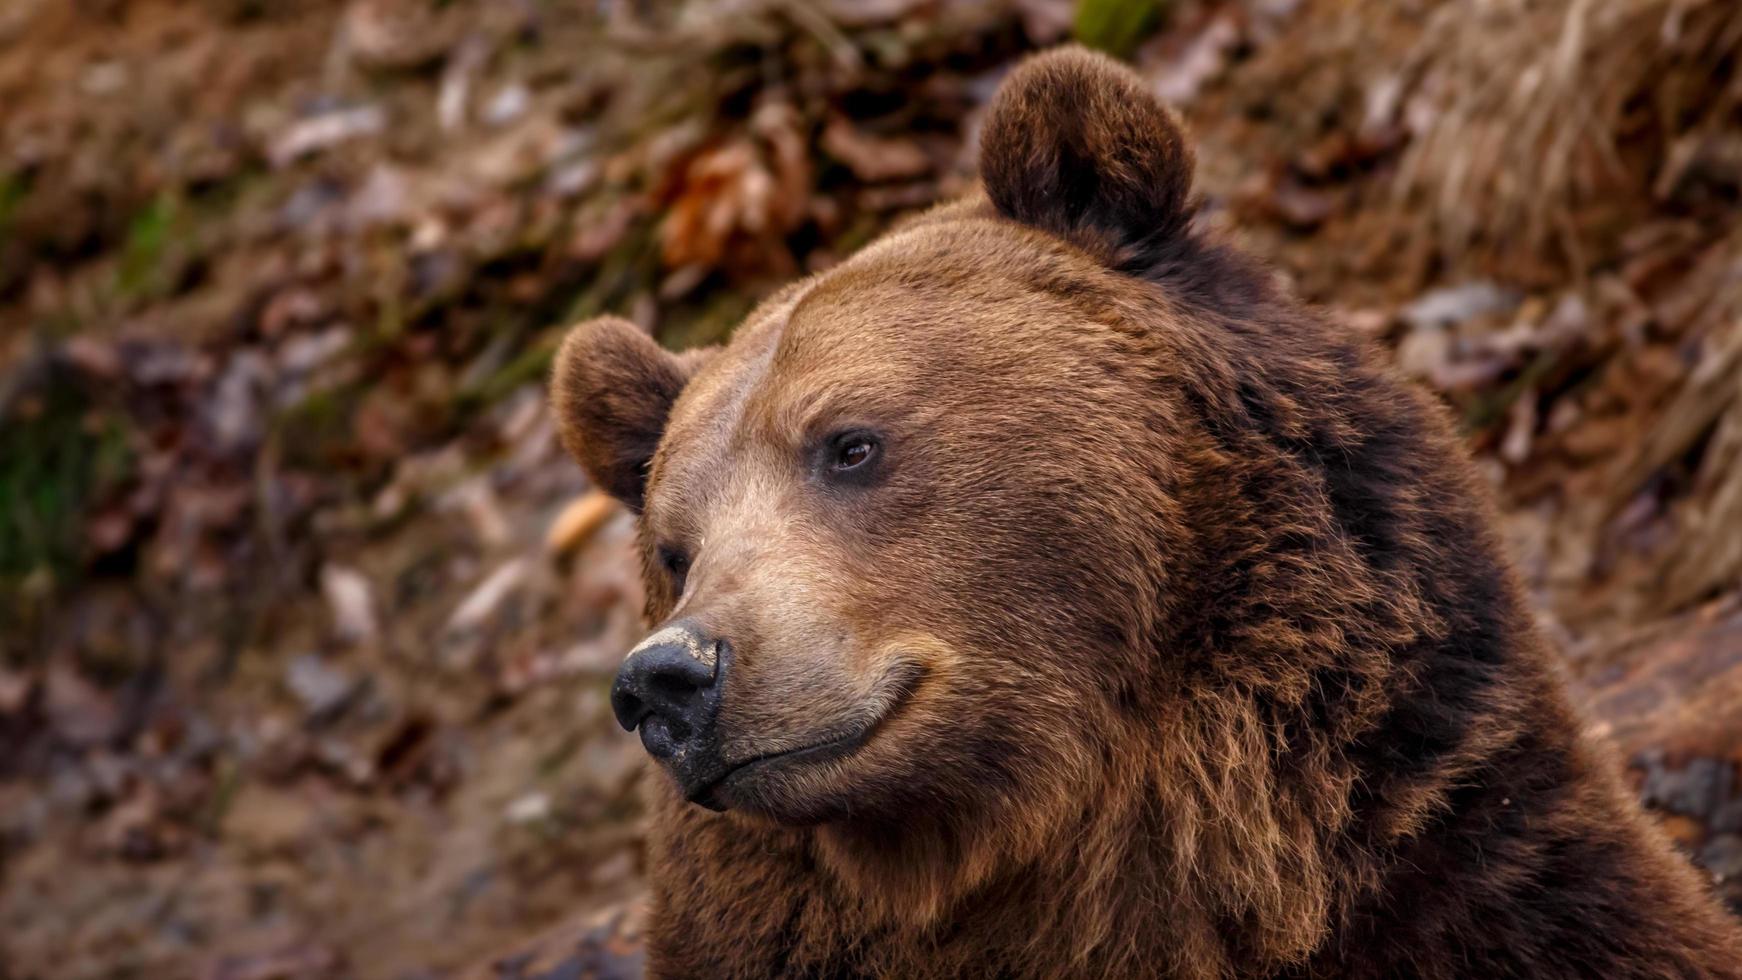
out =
column 988, row 524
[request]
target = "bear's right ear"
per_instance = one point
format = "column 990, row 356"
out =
column 1075, row 145
column 612, row 389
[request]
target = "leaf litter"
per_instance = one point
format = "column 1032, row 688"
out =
column 305, row 620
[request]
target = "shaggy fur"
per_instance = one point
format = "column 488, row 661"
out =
column 1186, row 644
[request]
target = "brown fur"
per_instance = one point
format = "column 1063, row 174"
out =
column 1188, row 646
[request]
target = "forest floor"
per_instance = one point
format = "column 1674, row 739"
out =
column 305, row 619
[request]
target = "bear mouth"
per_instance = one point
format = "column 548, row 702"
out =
column 844, row 740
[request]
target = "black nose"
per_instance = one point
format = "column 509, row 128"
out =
column 669, row 686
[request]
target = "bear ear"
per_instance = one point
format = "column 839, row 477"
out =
column 612, row 389
column 1073, row 144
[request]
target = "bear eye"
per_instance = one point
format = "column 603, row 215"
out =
column 675, row 563
column 849, row 458
column 855, row 452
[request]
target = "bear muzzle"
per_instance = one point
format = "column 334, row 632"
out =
column 671, row 686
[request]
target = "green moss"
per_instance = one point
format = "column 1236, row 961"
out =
column 56, row 453
column 1116, row 26
column 144, row 263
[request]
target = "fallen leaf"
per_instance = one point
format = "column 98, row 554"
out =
column 1458, row 304
column 322, row 132
column 323, row 689
column 873, row 158
column 351, row 603
column 484, row 600
column 577, row 522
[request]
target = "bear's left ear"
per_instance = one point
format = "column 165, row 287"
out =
column 612, row 389
column 1075, row 145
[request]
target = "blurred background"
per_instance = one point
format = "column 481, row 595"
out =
column 305, row 620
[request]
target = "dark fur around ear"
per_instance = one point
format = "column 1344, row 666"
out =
column 612, row 388
column 1075, row 145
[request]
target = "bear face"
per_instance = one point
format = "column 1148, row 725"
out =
column 887, row 520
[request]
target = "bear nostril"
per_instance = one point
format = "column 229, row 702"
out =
column 629, row 709
column 664, row 683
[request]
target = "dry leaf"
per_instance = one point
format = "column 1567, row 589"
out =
column 577, row 522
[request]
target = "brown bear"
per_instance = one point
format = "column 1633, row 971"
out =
column 1041, row 593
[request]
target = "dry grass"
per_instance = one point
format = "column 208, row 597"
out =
column 1538, row 122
